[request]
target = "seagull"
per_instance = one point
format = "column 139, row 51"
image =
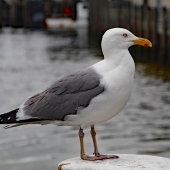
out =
column 88, row 96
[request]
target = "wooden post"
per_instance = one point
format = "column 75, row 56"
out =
column 119, row 16
column 132, row 26
column 113, row 15
column 125, row 15
column 1, row 14
column 138, row 30
column 95, row 22
column 98, row 20
column 165, row 38
column 153, row 34
column 160, row 33
column 168, row 39
column 16, row 14
column 145, row 27
column 125, row 162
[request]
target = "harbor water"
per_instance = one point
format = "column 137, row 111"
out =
column 32, row 60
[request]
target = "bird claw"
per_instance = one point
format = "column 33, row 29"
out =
column 98, row 157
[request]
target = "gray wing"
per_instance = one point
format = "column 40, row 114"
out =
column 65, row 96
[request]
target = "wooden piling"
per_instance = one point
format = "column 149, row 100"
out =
column 0, row 14
column 16, row 13
column 125, row 162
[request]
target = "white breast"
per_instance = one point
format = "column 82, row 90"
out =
column 117, row 78
column 118, row 84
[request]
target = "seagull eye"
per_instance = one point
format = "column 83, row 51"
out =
column 125, row 35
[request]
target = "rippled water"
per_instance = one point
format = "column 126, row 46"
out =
column 30, row 61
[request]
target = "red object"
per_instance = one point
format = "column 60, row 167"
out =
column 146, row 45
column 45, row 25
column 67, row 11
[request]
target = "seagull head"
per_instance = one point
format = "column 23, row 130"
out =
column 117, row 39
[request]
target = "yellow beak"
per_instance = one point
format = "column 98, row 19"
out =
column 142, row 41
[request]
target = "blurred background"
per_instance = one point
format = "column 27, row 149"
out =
column 41, row 40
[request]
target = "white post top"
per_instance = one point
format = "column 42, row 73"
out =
column 124, row 162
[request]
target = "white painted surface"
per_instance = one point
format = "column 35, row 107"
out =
column 125, row 162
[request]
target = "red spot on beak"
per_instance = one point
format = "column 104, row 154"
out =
column 146, row 45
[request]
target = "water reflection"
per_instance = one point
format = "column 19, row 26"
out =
column 32, row 61
column 68, row 45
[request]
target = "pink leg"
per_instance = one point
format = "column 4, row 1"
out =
column 96, row 151
column 82, row 152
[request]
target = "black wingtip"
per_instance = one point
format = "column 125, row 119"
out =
column 9, row 117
